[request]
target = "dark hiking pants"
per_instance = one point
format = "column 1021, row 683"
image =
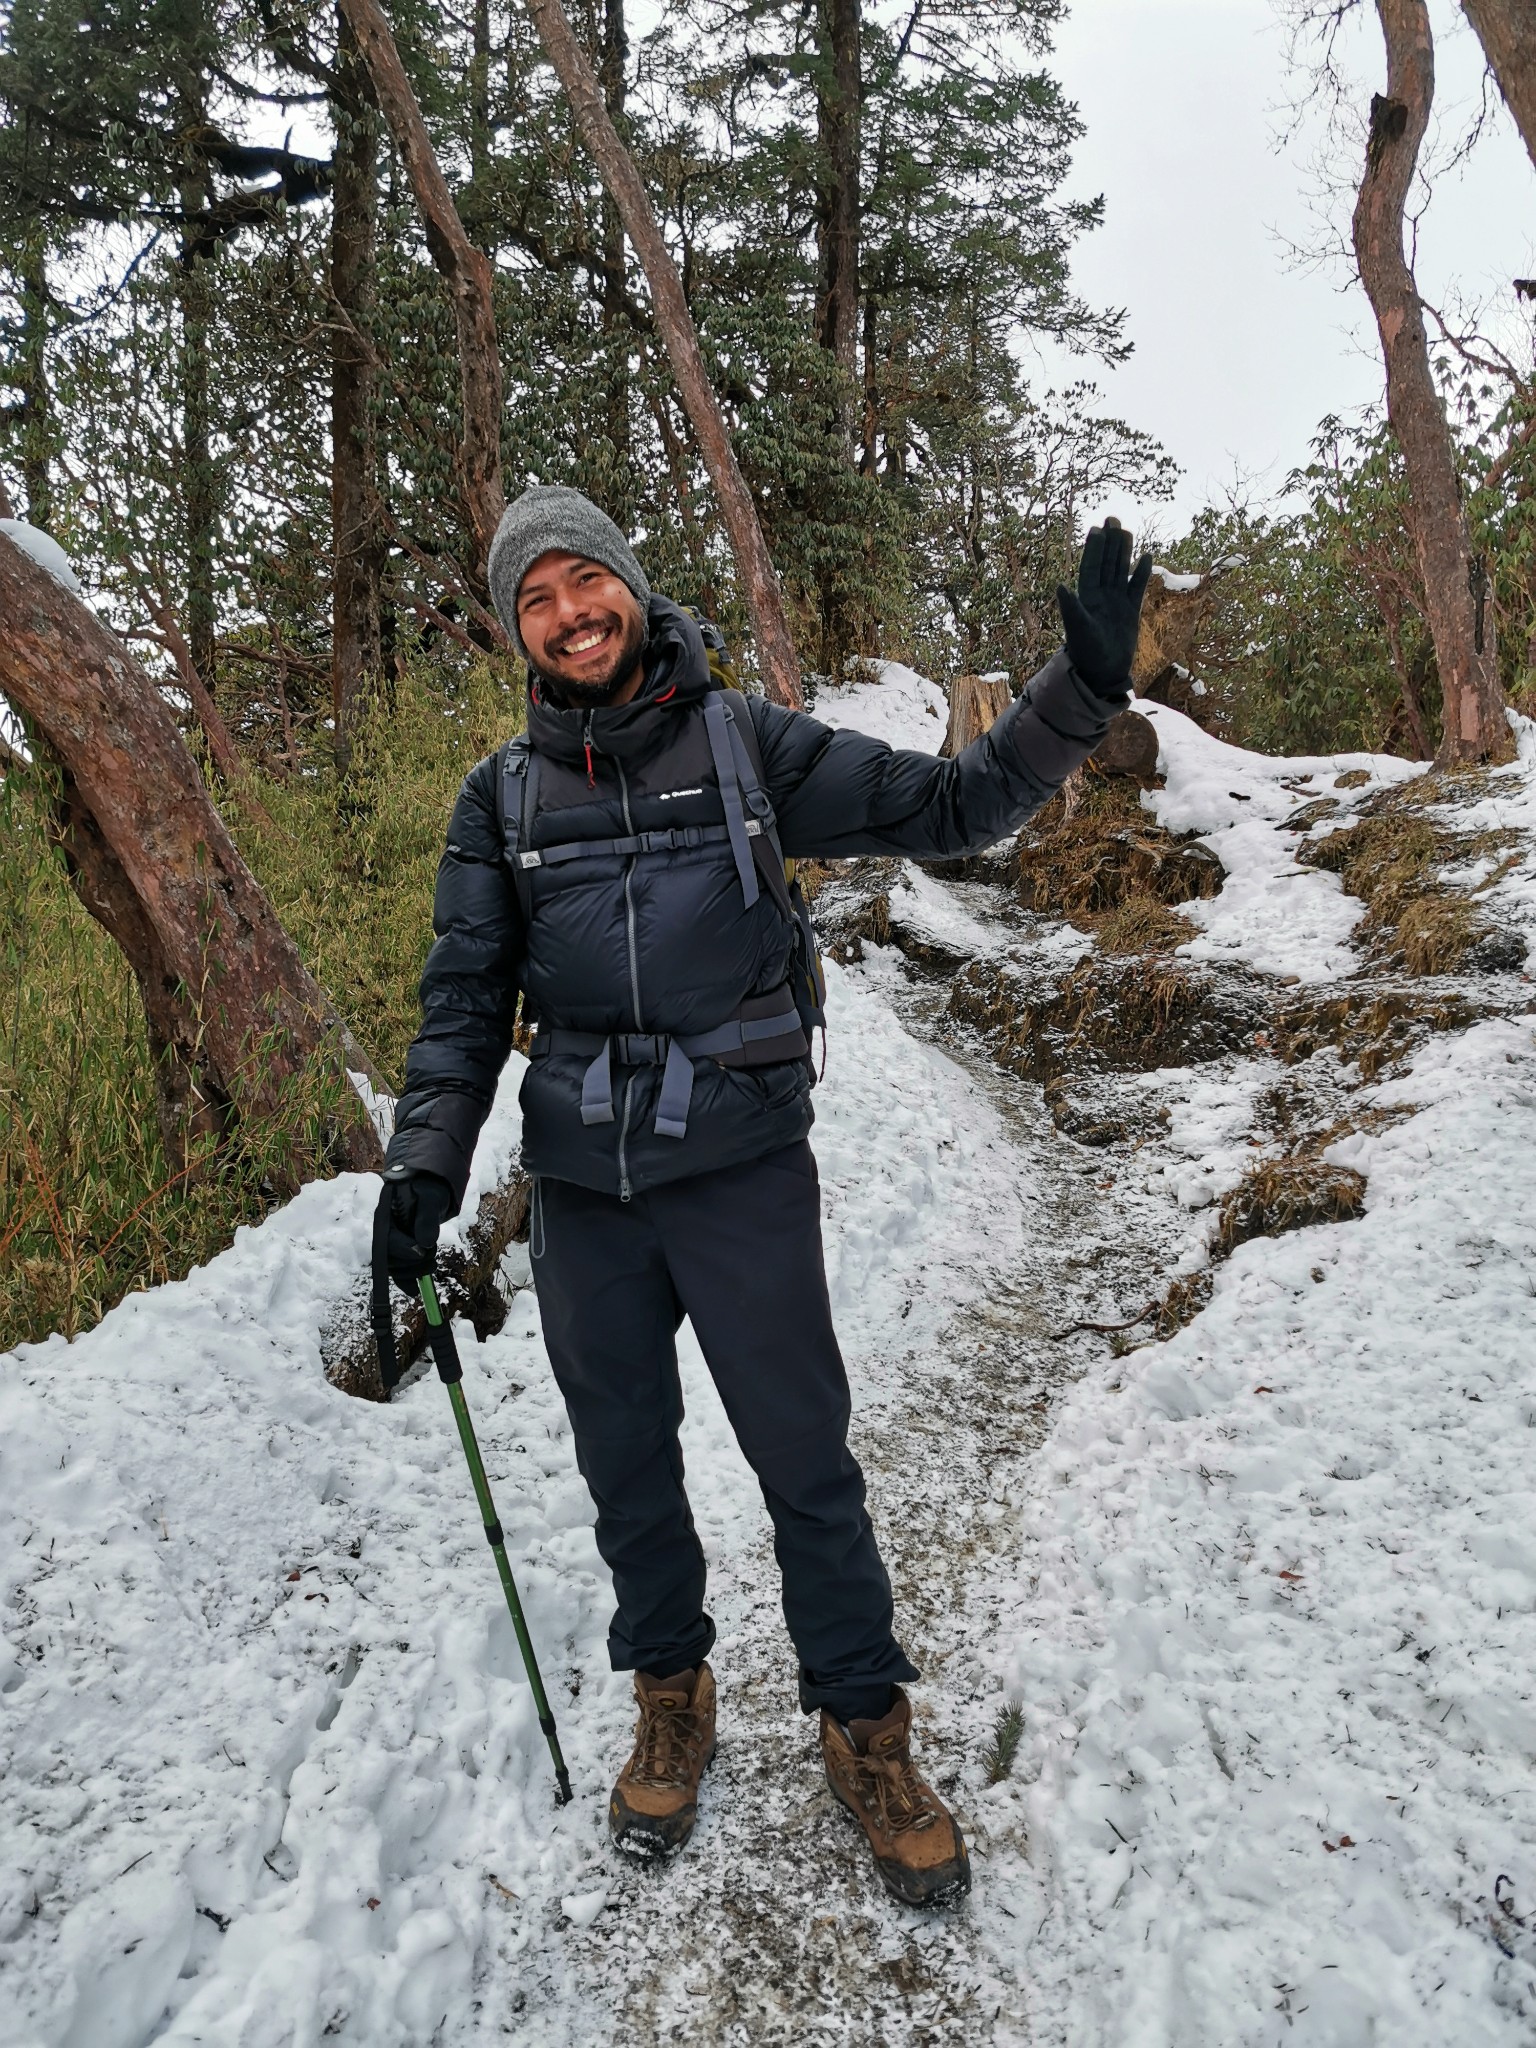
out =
column 739, row 1253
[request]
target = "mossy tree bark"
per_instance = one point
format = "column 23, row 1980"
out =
column 358, row 547
column 1455, row 582
column 839, row 96
column 231, row 1008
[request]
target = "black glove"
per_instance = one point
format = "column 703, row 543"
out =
column 418, row 1206
column 1102, row 617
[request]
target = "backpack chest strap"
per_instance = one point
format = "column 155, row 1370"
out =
column 674, row 839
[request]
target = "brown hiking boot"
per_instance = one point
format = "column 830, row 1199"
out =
column 919, row 1851
column 656, row 1799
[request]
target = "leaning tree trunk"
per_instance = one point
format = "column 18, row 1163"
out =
column 1507, row 31
column 228, row 1001
column 1460, row 625
column 357, row 542
column 465, row 270
column 760, row 584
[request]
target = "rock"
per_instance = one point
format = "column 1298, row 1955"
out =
column 1309, row 815
column 1128, row 748
column 1499, row 952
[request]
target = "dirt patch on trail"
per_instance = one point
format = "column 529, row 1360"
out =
column 1109, row 1014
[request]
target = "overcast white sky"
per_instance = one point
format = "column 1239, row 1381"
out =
column 1239, row 352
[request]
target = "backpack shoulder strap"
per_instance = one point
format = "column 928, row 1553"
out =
column 811, row 992
column 517, row 788
column 747, row 759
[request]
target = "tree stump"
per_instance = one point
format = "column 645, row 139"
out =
column 975, row 705
column 1173, row 613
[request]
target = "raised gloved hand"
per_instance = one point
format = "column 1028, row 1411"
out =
column 1102, row 616
column 419, row 1204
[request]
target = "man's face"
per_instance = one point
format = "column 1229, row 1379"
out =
column 582, row 628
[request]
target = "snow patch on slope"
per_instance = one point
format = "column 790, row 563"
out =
column 898, row 706
column 1276, row 1657
column 272, row 1767
column 1272, row 913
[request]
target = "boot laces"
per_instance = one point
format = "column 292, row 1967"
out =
column 664, row 1744
column 890, row 1782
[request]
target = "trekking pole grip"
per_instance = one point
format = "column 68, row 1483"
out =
column 445, row 1353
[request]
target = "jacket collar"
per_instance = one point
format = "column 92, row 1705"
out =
column 674, row 672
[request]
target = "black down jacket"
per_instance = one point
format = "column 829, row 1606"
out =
column 662, row 941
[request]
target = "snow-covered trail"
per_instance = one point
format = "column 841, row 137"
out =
column 957, row 1229
column 1266, row 1593
column 272, row 1770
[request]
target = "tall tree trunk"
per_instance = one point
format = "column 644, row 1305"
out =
column 1507, row 31
column 199, row 482
column 869, row 451
column 839, row 102
column 480, row 103
column 227, row 993
column 616, row 324
column 1475, row 726
column 357, row 532
column 464, row 269
column 760, row 584
column 39, row 429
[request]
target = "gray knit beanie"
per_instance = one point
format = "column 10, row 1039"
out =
column 554, row 516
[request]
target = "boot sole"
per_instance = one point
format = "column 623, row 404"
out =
column 641, row 1845
column 945, row 1894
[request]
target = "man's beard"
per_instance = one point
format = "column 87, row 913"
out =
column 592, row 692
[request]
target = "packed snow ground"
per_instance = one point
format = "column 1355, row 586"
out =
column 1266, row 1593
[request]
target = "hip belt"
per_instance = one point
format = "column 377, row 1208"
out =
column 765, row 1032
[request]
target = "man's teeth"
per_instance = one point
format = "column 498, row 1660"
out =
column 587, row 640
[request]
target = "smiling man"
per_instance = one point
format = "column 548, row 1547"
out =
column 623, row 869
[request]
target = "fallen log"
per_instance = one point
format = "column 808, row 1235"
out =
column 467, row 1285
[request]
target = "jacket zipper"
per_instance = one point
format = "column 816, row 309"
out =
column 634, row 973
column 624, row 1188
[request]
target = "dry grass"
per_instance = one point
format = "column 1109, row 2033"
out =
column 89, row 1208
column 1144, row 924
column 1105, row 864
column 1135, row 1014
column 1392, row 860
column 1374, row 1027
column 1288, row 1194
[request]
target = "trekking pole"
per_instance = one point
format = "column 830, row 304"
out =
column 446, row 1353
